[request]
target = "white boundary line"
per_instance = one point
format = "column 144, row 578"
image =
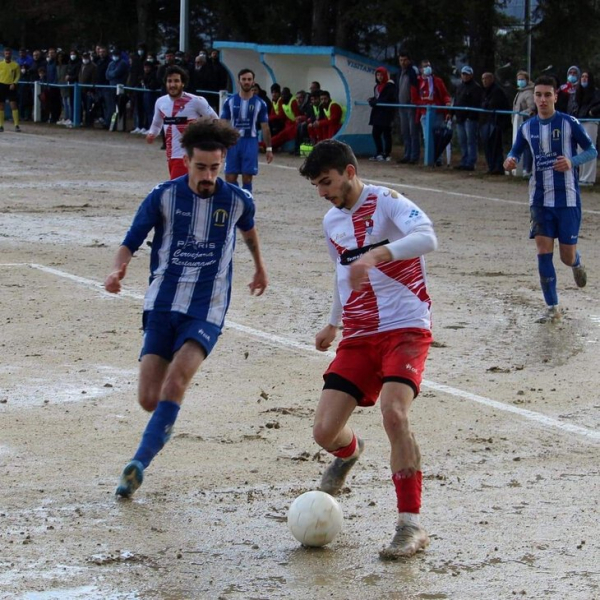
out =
column 280, row 341
column 399, row 185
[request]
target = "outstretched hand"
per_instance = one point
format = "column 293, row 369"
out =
column 112, row 283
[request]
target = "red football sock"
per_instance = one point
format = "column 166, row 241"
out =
column 346, row 451
column 408, row 491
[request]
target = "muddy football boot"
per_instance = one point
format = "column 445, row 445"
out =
column 131, row 479
column 408, row 540
column 580, row 276
column 335, row 474
column 553, row 314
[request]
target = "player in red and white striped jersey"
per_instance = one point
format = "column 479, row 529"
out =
column 377, row 239
column 175, row 111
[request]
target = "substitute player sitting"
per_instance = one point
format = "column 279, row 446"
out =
column 554, row 197
column 175, row 111
column 377, row 238
column 194, row 219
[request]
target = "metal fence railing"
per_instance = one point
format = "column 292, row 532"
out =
column 77, row 89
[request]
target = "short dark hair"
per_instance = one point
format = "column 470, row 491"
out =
column 175, row 70
column 244, row 71
column 276, row 88
column 404, row 53
column 324, row 93
column 208, row 136
column 328, row 155
column 546, row 80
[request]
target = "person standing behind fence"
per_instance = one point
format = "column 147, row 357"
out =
column 218, row 78
column 9, row 78
column 102, row 61
column 200, row 75
column 175, row 111
column 88, row 76
column 407, row 82
column 151, row 87
column 524, row 103
column 116, row 74
column 587, row 98
column 65, row 94
column 494, row 99
column 382, row 117
column 468, row 95
column 431, row 91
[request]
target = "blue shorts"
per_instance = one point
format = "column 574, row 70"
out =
column 243, row 157
column 562, row 223
column 166, row 332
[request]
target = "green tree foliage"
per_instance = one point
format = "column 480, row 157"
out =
column 440, row 30
column 565, row 35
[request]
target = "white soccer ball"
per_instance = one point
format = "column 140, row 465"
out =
column 315, row 518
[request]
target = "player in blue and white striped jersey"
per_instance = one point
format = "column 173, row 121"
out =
column 194, row 218
column 554, row 198
column 248, row 114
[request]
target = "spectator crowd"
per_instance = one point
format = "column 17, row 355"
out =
column 478, row 112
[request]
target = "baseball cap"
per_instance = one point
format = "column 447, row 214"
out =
column 467, row 70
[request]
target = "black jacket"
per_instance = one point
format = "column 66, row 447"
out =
column 382, row 116
column 468, row 93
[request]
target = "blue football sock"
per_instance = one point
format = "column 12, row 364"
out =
column 157, row 431
column 577, row 260
column 247, row 186
column 548, row 278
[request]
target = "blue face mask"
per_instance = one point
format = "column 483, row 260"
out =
column 116, row 58
column 521, row 83
column 584, row 84
column 572, row 78
column 427, row 71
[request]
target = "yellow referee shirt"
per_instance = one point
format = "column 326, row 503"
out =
column 9, row 72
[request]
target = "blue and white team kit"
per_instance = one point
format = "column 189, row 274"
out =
column 245, row 115
column 550, row 191
column 191, row 261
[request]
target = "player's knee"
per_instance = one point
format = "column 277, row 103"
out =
column 174, row 386
column 148, row 402
column 324, row 436
column 395, row 419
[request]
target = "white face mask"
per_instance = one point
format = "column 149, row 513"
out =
column 115, row 58
column 73, row 56
column 86, row 61
column 140, row 53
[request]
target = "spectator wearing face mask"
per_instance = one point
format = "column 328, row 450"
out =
column 587, row 98
column 431, row 90
column 566, row 101
column 524, row 103
column 116, row 74
column 88, row 76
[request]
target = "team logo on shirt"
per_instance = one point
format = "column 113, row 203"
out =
column 220, row 217
column 556, row 134
column 369, row 224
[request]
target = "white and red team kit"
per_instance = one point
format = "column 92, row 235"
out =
column 396, row 295
column 175, row 115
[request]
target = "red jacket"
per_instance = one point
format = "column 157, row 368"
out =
column 422, row 95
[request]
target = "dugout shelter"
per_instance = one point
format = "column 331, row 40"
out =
column 348, row 77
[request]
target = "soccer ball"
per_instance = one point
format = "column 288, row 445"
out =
column 315, row 518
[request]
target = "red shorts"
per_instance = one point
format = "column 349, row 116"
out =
column 177, row 168
column 367, row 362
